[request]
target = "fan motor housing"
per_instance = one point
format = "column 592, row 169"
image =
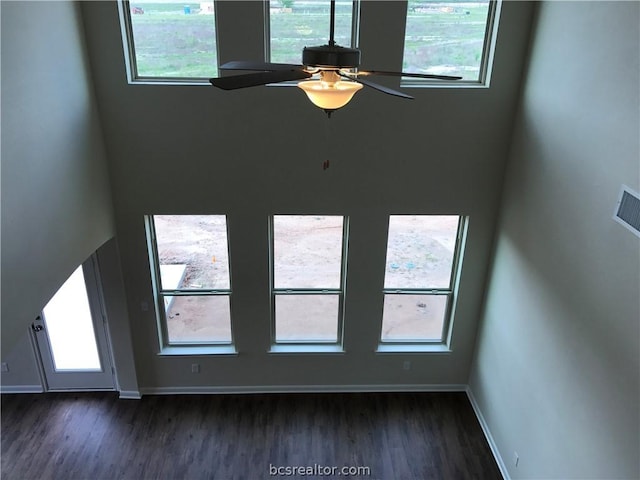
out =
column 331, row 56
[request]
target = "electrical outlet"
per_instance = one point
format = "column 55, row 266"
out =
column 4, row 367
column 195, row 368
column 516, row 459
column 406, row 365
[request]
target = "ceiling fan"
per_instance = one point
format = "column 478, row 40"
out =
column 337, row 67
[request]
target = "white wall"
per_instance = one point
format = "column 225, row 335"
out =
column 56, row 204
column 556, row 373
column 252, row 153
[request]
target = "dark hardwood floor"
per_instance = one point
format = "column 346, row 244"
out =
column 97, row 436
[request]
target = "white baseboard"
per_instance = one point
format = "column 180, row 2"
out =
column 21, row 389
column 248, row 389
column 487, row 433
column 124, row 394
column 130, row 395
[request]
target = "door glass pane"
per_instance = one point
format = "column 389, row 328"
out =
column 420, row 251
column 307, row 251
column 174, row 39
column 413, row 317
column 307, row 318
column 69, row 325
column 200, row 319
column 193, row 251
column 445, row 38
column 296, row 24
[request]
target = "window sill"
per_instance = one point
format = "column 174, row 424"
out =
column 158, row 81
column 442, row 84
column 198, row 350
column 313, row 349
column 413, row 348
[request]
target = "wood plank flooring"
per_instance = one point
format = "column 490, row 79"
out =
column 414, row 436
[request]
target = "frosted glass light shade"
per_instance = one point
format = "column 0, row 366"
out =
column 329, row 95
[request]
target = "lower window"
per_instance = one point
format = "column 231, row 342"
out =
column 190, row 263
column 422, row 256
column 307, row 267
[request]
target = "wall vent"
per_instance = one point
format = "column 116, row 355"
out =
column 627, row 211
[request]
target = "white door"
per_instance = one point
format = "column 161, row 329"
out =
column 71, row 335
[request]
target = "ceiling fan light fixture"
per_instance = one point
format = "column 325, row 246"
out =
column 337, row 66
column 330, row 92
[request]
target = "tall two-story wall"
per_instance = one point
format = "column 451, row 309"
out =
column 556, row 372
column 193, row 149
column 56, row 202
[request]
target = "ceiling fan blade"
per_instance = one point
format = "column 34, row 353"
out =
column 376, row 86
column 412, row 75
column 263, row 66
column 259, row 78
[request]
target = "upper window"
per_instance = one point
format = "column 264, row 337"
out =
column 307, row 283
column 190, row 262
column 297, row 24
column 447, row 38
column 422, row 255
column 171, row 40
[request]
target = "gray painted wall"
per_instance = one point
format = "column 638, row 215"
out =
column 556, row 373
column 252, row 153
column 56, row 204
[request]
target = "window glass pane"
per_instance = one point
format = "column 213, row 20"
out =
column 69, row 325
column 173, row 39
column 420, row 251
column 445, row 38
column 296, row 24
column 198, row 318
column 192, row 251
column 307, row 251
column 413, row 317
column 307, row 318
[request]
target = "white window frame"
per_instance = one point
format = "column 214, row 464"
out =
column 128, row 44
column 355, row 30
column 430, row 345
column 311, row 346
column 486, row 63
column 182, row 348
